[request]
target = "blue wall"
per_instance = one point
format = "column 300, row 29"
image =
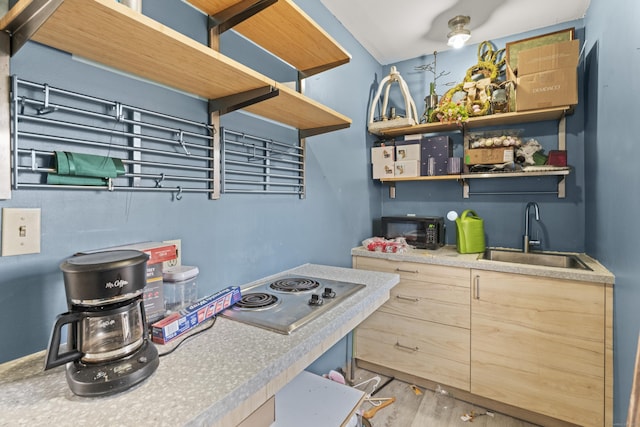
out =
column 613, row 62
column 234, row 240
column 240, row 238
column 561, row 225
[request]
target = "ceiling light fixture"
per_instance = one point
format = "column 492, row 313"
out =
column 458, row 35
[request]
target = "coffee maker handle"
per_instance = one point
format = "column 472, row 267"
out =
column 54, row 358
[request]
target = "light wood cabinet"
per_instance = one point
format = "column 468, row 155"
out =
column 540, row 344
column 423, row 329
column 539, row 348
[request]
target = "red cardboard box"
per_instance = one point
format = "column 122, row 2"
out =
column 157, row 251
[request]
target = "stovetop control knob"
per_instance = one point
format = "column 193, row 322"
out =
column 315, row 300
column 328, row 293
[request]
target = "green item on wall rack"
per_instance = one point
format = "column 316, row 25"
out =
column 84, row 169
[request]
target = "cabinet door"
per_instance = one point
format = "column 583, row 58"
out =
column 539, row 344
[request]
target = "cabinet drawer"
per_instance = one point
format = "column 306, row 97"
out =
column 429, row 350
column 453, row 276
column 435, row 302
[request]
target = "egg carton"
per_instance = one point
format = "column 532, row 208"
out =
column 501, row 138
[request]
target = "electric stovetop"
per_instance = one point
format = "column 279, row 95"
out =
column 285, row 303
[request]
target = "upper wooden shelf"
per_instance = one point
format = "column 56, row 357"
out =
column 482, row 121
column 112, row 34
column 286, row 31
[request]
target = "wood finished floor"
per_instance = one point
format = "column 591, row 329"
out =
column 428, row 409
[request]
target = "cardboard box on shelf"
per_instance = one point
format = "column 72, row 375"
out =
column 407, row 168
column 440, row 148
column 382, row 159
column 549, row 57
column 547, row 76
column 383, row 170
column 409, row 150
column 382, row 154
column 488, row 156
column 546, row 89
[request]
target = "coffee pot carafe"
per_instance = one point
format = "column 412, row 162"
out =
column 107, row 349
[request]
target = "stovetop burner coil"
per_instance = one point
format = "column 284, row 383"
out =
column 294, row 284
column 256, row 301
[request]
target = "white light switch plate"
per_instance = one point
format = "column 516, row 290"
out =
column 20, row 231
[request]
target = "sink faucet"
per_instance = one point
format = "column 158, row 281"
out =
column 526, row 243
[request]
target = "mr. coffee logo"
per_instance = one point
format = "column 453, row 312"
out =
column 118, row 283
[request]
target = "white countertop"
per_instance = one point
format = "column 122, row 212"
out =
column 216, row 378
column 448, row 255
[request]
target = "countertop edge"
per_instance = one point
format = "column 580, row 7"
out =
column 448, row 256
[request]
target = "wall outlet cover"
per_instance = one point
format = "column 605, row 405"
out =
column 178, row 260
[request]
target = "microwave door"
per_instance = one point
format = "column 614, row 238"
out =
column 412, row 231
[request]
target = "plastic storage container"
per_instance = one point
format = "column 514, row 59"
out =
column 180, row 287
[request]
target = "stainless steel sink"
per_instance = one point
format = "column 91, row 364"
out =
column 535, row 258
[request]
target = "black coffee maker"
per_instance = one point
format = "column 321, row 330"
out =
column 108, row 348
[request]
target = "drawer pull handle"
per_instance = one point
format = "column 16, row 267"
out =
column 476, row 287
column 412, row 299
column 400, row 270
column 404, row 347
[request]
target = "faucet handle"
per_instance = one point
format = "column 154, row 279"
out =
column 536, row 241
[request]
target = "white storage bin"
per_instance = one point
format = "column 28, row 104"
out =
column 180, row 287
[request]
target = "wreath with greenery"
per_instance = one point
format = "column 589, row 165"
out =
column 450, row 112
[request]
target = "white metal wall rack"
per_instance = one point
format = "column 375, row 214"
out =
column 78, row 27
column 252, row 164
column 160, row 152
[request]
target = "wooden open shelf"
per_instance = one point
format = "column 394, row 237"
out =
column 112, row 34
column 424, row 178
column 504, row 119
column 482, row 175
column 286, row 31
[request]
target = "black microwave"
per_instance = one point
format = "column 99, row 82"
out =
column 421, row 232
